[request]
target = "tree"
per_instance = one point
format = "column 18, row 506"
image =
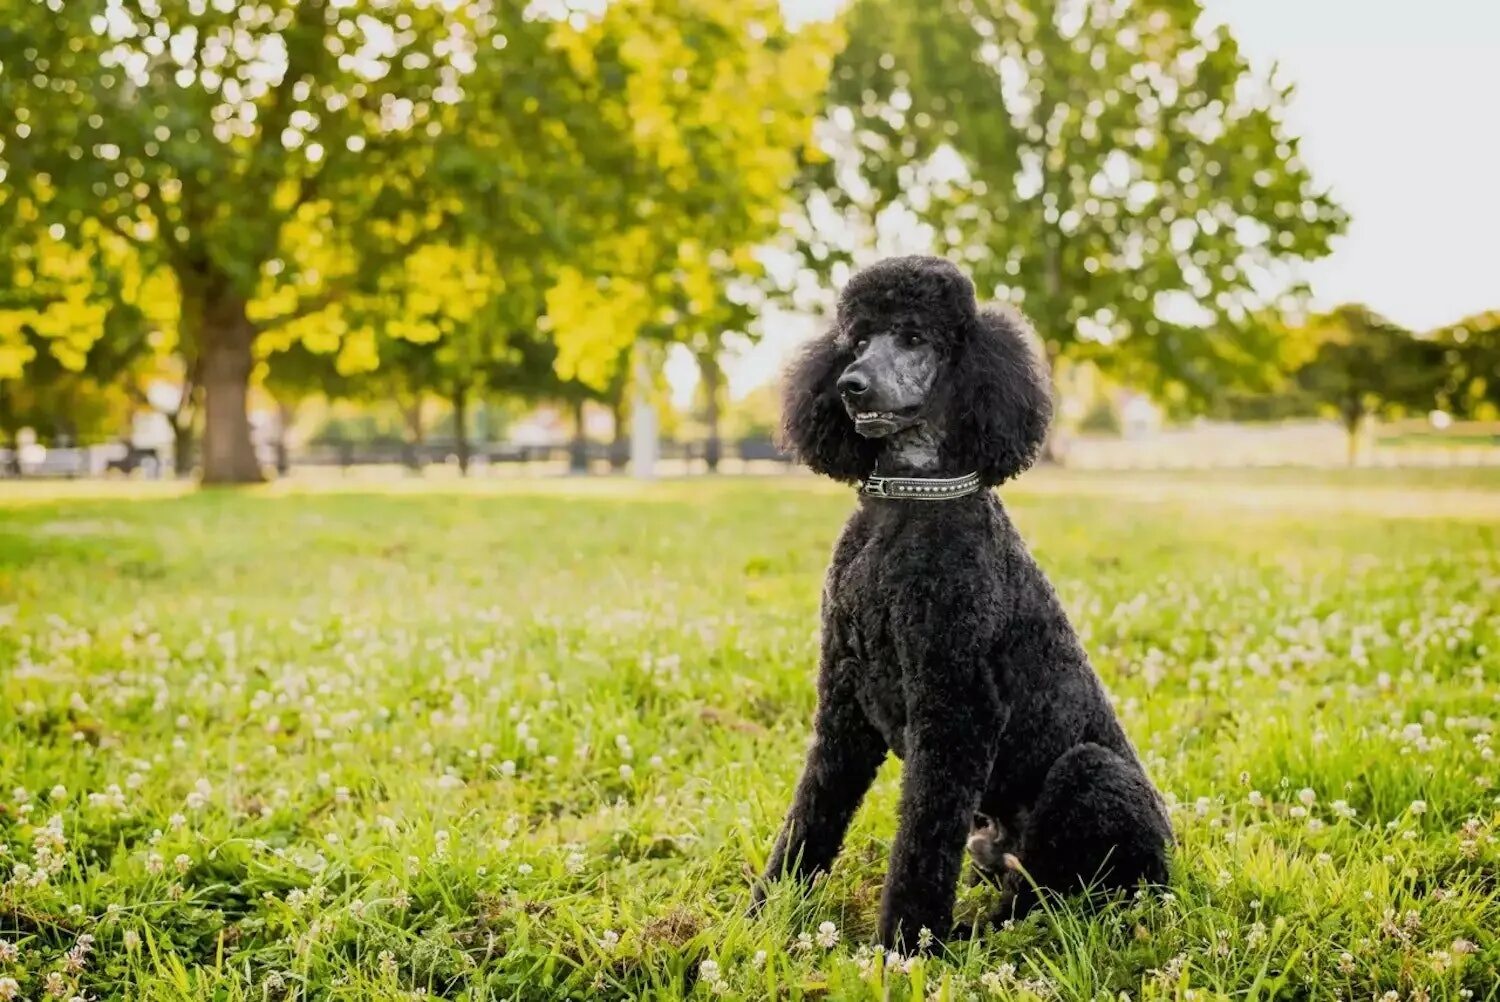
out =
column 1471, row 361
column 1364, row 365
column 1114, row 169
column 701, row 182
column 74, row 349
column 265, row 154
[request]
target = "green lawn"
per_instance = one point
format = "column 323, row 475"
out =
column 529, row 741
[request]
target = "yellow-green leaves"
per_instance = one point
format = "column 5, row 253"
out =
column 717, row 105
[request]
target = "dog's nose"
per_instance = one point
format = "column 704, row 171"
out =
column 853, row 384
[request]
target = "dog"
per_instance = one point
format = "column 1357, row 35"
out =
column 942, row 641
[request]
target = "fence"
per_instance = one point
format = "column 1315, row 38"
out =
column 116, row 459
column 1205, row 446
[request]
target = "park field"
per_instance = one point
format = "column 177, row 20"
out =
column 530, row 740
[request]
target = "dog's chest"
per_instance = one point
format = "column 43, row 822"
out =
column 866, row 609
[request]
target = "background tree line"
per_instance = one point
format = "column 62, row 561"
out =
column 419, row 200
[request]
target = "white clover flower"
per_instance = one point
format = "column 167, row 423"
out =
column 507, row 768
column 626, row 772
column 709, row 970
column 131, row 939
column 183, row 862
column 387, row 962
column 828, row 935
column 1256, row 799
column 1307, row 796
column 524, row 869
column 1419, row 807
column 8, row 952
column 759, row 960
column 575, row 862
column 155, row 864
column 9, row 988
column 609, row 939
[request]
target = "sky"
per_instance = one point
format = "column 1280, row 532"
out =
column 1398, row 107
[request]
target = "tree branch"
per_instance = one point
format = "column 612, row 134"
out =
column 112, row 224
column 306, row 308
column 176, row 249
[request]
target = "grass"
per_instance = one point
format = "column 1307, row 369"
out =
column 528, row 741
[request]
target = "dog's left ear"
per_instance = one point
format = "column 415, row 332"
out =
column 1002, row 398
column 814, row 425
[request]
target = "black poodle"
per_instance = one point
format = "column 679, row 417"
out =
column 942, row 640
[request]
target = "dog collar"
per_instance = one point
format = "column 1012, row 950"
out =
column 920, row 488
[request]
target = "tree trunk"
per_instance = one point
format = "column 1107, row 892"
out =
column 619, row 447
column 1352, row 422
column 461, row 427
column 578, row 448
column 416, row 433
column 13, row 464
column 182, row 446
column 1054, row 446
column 285, row 414
column 225, row 339
column 713, row 378
column 645, row 433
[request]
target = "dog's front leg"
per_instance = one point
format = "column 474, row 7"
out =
column 846, row 753
column 950, row 750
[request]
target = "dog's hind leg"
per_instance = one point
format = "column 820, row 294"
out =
column 1098, row 825
column 990, row 842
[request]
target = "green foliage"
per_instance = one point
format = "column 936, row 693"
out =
column 1102, row 418
column 1365, row 365
column 278, row 160
column 703, row 181
column 1113, row 168
column 74, row 349
column 529, row 741
column 1471, row 358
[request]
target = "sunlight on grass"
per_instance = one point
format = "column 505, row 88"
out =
column 527, row 740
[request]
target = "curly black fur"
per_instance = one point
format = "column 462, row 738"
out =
column 943, row 642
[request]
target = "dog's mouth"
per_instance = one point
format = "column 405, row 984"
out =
column 875, row 424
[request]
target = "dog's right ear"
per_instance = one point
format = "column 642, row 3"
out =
column 814, row 425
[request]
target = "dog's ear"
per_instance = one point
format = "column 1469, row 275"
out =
column 814, row 425
column 1002, row 398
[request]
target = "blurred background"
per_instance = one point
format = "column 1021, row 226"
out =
column 502, row 238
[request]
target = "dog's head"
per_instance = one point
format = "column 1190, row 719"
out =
column 911, row 347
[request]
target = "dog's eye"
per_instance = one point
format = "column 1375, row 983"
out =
column 913, row 340
column 860, row 342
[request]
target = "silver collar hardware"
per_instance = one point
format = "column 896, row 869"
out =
column 920, row 488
